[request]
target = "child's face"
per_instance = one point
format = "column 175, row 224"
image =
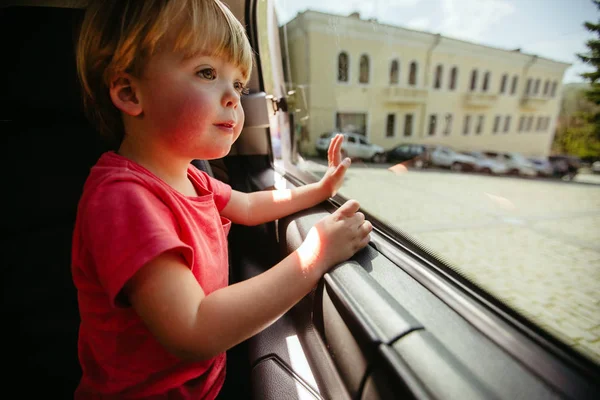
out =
column 192, row 106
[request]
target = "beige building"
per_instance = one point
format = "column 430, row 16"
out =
column 397, row 85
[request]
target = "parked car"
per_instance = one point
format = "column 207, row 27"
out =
column 596, row 167
column 355, row 145
column 487, row 165
column 542, row 166
column 565, row 165
column 416, row 155
column 445, row 157
column 517, row 163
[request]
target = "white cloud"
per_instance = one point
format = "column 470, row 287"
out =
column 471, row 19
column 573, row 73
column 564, row 49
column 402, row 3
column 420, row 23
column 287, row 9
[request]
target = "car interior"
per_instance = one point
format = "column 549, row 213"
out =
column 389, row 323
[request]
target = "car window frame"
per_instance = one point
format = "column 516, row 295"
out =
column 461, row 293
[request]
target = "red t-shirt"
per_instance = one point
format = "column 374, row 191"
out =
column 126, row 217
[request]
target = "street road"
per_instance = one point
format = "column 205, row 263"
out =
column 535, row 244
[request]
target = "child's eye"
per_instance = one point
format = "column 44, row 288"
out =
column 208, row 73
column 240, row 88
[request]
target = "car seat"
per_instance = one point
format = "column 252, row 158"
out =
column 48, row 150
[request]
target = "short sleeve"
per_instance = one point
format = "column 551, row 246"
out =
column 221, row 191
column 124, row 227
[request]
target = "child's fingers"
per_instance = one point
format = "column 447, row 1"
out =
column 337, row 155
column 360, row 218
column 365, row 228
column 364, row 242
column 331, row 147
column 333, row 153
column 349, row 208
column 341, row 168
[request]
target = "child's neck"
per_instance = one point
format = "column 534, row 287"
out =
column 171, row 170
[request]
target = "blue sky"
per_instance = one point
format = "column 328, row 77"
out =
column 548, row 28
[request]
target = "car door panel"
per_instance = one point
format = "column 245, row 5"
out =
column 274, row 380
column 378, row 304
column 389, row 324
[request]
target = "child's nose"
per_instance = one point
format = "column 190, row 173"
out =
column 230, row 98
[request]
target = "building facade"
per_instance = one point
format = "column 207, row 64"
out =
column 397, row 85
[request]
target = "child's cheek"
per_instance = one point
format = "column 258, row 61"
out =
column 184, row 115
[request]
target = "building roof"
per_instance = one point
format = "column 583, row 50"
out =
column 424, row 35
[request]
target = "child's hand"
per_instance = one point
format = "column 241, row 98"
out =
column 334, row 177
column 335, row 238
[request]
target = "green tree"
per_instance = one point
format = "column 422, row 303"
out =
column 575, row 134
column 578, row 129
column 593, row 58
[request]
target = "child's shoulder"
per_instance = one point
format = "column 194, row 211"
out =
column 111, row 168
column 114, row 176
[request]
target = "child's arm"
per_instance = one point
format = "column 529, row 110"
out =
column 191, row 325
column 264, row 206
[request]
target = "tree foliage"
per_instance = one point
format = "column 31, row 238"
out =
column 578, row 130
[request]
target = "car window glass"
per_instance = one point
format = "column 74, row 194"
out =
column 527, row 238
column 363, row 141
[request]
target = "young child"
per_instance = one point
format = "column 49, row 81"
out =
column 164, row 78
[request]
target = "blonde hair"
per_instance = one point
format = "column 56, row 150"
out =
column 121, row 35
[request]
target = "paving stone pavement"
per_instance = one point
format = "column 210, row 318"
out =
column 533, row 244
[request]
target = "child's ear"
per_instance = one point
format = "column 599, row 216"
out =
column 124, row 94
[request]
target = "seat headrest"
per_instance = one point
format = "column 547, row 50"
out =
column 39, row 78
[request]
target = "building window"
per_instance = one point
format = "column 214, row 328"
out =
column 412, row 75
column 479, row 127
column 448, row 128
column 466, row 125
column 536, row 87
column 390, row 127
column 503, row 83
column 394, row 72
column 539, row 124
column 364, row 69
column 546, row 123
column 507, row 124
column 521, row 123
column 513, row 87
column 453, row 76
column 546, row 87
column 351, row 122
column 529, row 123
column 343, row 67
column 438, row 77
column 528, row 87
column 486, row 81
column 496, row 124
column 473, row 80
column 553, row 91
column 408, row 125
column 432, row 124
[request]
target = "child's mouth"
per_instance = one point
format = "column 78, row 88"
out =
column 226, row 126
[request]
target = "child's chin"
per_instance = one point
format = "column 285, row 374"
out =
column 220, row 153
